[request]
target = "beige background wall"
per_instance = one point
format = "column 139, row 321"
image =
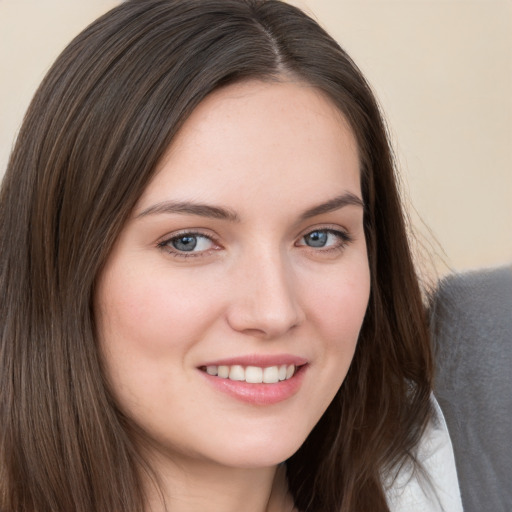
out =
column 442, row 70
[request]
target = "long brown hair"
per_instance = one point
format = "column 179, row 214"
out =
column 90, row 142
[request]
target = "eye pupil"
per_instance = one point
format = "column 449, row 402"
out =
column 185, row 243
column 316, row 239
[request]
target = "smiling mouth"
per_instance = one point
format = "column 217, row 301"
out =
column 253, row 374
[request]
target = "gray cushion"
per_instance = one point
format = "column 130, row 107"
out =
column 472, row 326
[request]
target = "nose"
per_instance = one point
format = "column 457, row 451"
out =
column 266, row 303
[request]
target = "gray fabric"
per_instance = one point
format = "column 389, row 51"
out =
column 472, row 326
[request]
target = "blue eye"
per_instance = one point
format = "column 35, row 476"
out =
column 316, row 238
column 187, row 243
column 325, row 238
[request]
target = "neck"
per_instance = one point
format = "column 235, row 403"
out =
column 199, row 486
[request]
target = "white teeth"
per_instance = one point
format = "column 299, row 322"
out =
column 253, row 374
column 236, row 372
column 223, row 371
column 271, row 375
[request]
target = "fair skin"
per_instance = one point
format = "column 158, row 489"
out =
column 245, row 258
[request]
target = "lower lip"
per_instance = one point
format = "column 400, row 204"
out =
column 259, row 394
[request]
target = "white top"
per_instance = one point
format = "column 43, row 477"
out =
column 410, row 492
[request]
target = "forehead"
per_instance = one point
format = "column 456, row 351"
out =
column 279, row 139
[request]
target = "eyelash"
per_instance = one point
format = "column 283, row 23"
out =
column 344, row 239
column 166, row 246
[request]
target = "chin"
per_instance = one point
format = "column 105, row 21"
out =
column 259, row 451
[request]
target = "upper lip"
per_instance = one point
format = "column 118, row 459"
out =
column 261, row 360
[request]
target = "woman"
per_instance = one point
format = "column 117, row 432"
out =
column 209, row 301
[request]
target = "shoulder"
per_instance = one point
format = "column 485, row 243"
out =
column 472, row 331
column 472, row 337
column 433, row 487
column 483, row 298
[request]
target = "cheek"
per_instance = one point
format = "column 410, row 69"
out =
column 339, row 303
column 337, row 308
column 147, row 313
column 148, row 323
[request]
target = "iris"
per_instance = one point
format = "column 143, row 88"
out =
column 185, row 243
column 316, row 238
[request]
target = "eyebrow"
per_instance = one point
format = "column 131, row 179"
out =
column 190, row 208
column 217, row 212
column 346, row 199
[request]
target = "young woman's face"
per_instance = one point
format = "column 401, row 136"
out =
column 231, row 304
